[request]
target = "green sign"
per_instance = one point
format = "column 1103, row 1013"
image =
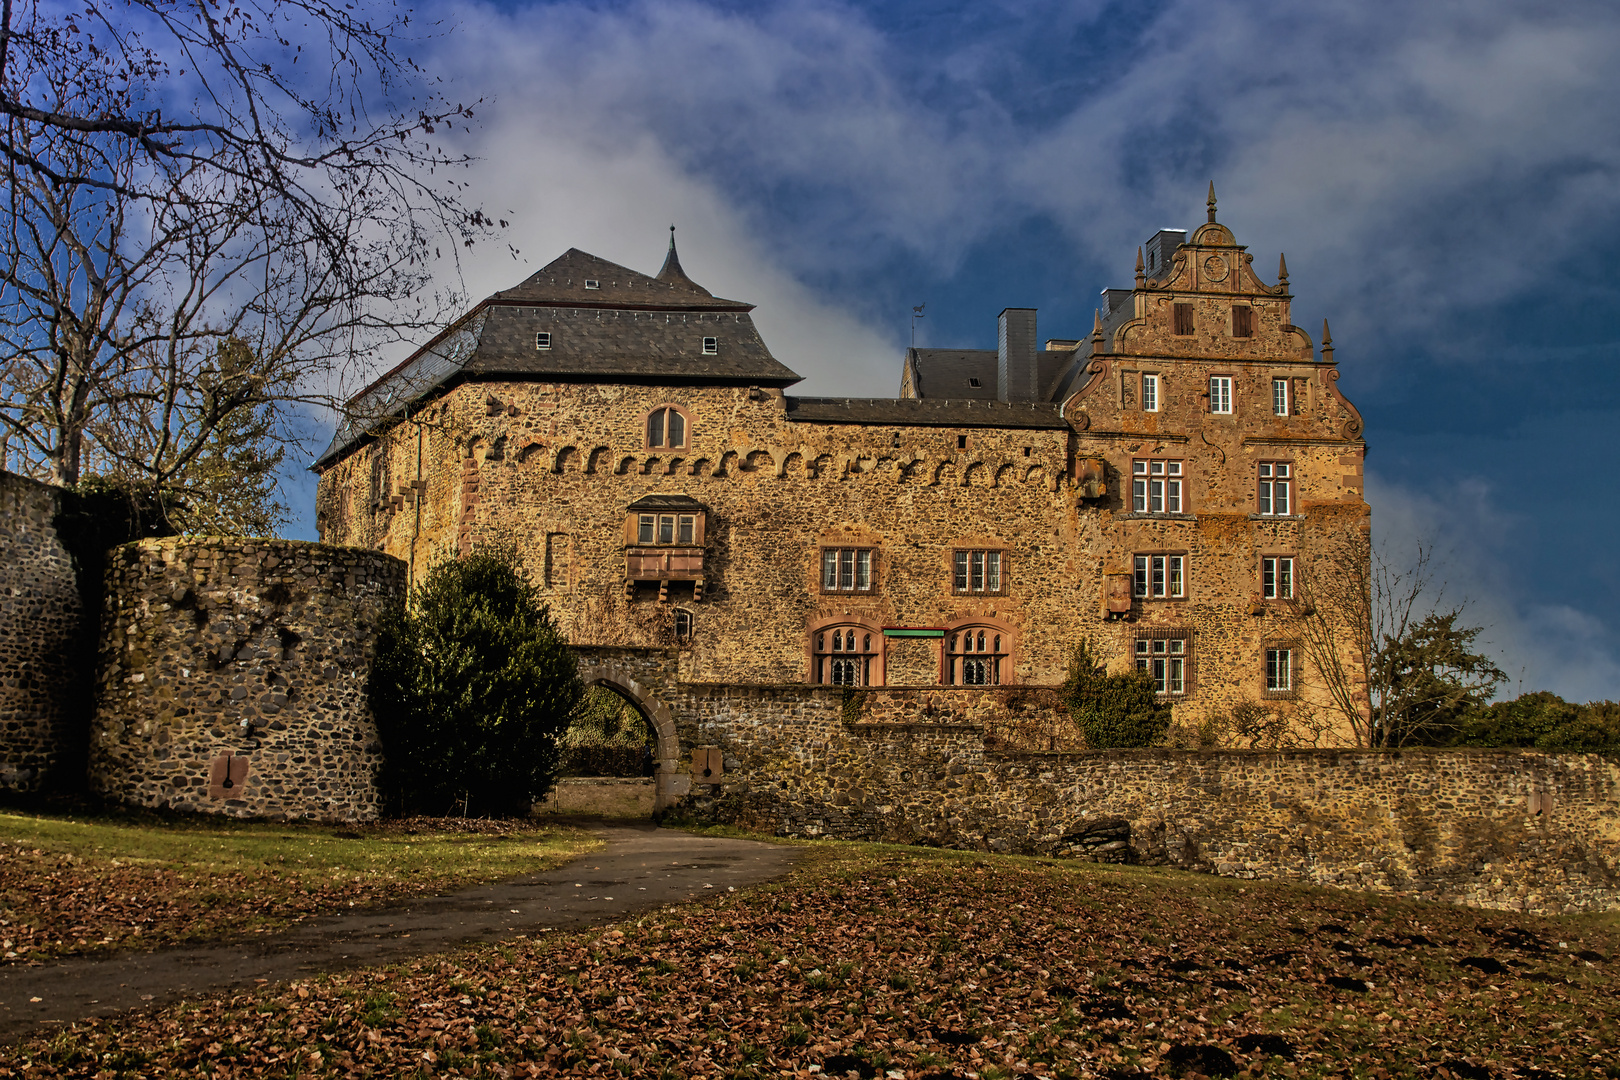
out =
column 912, row 631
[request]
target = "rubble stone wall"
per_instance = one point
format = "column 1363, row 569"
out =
column 45, row 654
column 217, row 651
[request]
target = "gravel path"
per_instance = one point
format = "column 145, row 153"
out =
column 642, row 867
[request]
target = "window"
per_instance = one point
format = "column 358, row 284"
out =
column 542, row 341
column 843, row 655
column 1150, row 393
column 1161, row 577
column 977, row 571
column 557, row 560
column 1220, row 393
column 975, row 656
column 961, row 442
column 683, row 625
column 1274, row 480
column 975, row 383
column 666, row 427
column 592, row 283
column 846, row 569
column 1184, row 319
column 1279, row 397
column 1279, row 669
column 1277, row 577
column 1166, row 659
column 711, row 346
column 1155, row 486
column 1243, row 322
column 666, row 529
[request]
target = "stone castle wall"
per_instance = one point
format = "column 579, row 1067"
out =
column 45, row 650
column 242, row 661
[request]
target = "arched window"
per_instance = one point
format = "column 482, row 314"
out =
column 977, row 656
column 845, row 655
column 666, row 428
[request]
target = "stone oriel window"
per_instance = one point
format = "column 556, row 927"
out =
column 847, row 570
column 979, row 571
column 1166, row 655
column 845, row 655
column 1281, row 675
column 1277, row 577
column 976, row 656
column 1160, row 576
column 1183, row 320
column 668, row 427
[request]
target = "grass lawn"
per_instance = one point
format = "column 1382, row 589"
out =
column 73, row 885
column 887, row 961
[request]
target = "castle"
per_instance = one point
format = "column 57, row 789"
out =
column 1160, row 486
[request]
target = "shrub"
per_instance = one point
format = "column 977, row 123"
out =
column 1113, row 711
column 471, row 686
column 1545, row 721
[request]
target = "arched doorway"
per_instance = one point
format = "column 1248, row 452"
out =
column 668, row 752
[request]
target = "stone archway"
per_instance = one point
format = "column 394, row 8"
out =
column 670, row 779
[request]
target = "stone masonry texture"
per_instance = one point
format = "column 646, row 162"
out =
column 45, row 653
column 254, row 650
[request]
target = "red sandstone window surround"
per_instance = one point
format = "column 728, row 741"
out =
column 1156, row 486
column 1277, row 577
column 668, row 428
column 846, row 655
column 1281, row 671
column 979, row 571
column 977, row 656
column 1161, row 576
column 848, row 570
column 1276, row 484
column 1166, row 655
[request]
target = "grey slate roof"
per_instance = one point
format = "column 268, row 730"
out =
column 667, row 502
column 627, row 327
column 949, row 373
column 926, row 412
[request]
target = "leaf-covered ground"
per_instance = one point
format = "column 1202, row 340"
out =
column 92, row 885
column 912, row 963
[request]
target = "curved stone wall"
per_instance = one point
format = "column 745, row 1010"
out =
column 231, row 677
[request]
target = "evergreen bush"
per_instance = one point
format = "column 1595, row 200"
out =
column 1113, row 711
column 471, row 686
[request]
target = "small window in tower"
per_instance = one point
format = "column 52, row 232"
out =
column 592, row 283
column 542, row 341
column 961, row 442
column 711, row 346
column 683, row 625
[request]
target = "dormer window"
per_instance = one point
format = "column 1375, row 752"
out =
column 975, row 383
column 711, row 346
column 542, row 341
column 592, row 283
column 666, row 428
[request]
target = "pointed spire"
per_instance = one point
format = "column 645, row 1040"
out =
column 1211, row 203
column 1327, row 342
column 1096, row 326
column 1140, row 277
column 672, row 272
column 1282, row 270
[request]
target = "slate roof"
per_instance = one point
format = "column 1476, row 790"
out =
column 626, row 327
column 949, row 373
column 667, row 502
column 926, row 412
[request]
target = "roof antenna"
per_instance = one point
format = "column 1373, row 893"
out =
column 1211, row 200
column 916, row 313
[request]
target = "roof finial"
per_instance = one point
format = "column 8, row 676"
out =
column 672, row 238
column 1327, row 341
column 1282, row 269
column 1211, row 200
column 1140, row 277
column 1096, row 326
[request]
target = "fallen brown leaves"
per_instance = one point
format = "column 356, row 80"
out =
column 903, row 963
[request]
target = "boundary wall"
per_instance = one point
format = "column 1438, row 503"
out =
column 232, row 677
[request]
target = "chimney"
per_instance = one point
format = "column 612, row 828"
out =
column 1017, row 376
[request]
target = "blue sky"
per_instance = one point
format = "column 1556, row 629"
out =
column 1442, row 177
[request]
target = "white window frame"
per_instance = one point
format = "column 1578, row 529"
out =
column 1160, row 577
column 979, row 570
column 666, row 529
column 592, row 283
column 1166, row 659
column 1156, row 486
column 711, row 346
column 1277, row 577
column 1279, row 669
column 846, row 570
column 1220, row 394
column 1276, row 488
column 1150, row 393
column 1280, row 405
column 542, row 340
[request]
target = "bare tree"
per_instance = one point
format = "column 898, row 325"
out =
column 1396, row 669
column 211, row 212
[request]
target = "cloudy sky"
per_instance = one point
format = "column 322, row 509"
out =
column 1441, row 175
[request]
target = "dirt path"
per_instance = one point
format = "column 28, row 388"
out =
column 642, row 867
